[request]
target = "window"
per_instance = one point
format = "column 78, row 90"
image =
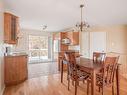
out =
column 38, row 47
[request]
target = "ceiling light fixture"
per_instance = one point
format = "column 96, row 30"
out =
column 82, row 25
column 44, row 27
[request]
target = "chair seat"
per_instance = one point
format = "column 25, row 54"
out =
column 80, row 75
column 83, row 75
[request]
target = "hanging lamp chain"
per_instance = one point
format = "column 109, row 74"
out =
column 81, row 26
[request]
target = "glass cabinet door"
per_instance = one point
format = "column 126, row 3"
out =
column 13, row 28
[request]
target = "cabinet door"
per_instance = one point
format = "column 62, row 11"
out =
column 7, row 27
column 70, row 36
column 11, row 69
column 23, row 67
column 10, row 28
column 13, row 29
column 75, row 40
column 74, row 37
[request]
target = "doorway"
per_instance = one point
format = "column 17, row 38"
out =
column 97, row 42
column 92, row 42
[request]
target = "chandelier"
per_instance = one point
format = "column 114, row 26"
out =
column 82, row 25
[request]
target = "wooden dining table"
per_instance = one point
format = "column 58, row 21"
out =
column 89, row 66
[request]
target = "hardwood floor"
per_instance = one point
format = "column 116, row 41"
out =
column 50, row 85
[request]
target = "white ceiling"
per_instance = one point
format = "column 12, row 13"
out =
column 62, row 14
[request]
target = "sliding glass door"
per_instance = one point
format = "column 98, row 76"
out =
column 39, row 48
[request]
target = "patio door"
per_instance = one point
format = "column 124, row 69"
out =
column 38, row 48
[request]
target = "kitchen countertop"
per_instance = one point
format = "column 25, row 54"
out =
column 16, row 54
column 69, row 51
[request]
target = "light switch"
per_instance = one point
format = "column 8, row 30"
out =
column 113, row 44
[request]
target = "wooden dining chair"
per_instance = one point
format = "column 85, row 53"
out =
column 98, row 57
column 62, row 60
column 106, row 77
column 74, row 73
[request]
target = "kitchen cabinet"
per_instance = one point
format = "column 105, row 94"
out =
column 11, row 28
column 16, row 70
column 74, row 38
column 63, row 47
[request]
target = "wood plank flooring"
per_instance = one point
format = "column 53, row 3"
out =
column 50, row 85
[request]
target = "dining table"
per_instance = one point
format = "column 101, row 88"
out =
column 87, row 65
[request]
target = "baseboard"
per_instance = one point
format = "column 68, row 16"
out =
column 2, row 91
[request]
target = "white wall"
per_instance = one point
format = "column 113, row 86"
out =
column 85, row 44
column 115, row 38
column 1, row 48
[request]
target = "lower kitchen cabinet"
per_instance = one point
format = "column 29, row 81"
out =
column 16, row 70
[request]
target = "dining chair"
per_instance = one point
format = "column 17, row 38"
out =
column 106, row 77
column 73, row 72
column 98, row 57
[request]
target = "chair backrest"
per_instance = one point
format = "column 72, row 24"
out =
column 71, row 59
column 98, row 57
column 109, row 69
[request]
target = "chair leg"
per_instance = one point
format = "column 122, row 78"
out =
column 61, row 71
column 67, row 71
column 99, row 89
column 83, row 81
column 87, row 88
column 76, row 82
column 72, row 82
column 112, row 89
column 102, row 90
column 68, row 83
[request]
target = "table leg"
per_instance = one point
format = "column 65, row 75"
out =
column 58, row 64
column 117, row 80
column 67, row 71
column 93, row 86
column 61, row 71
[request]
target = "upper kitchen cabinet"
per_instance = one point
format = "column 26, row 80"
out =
column 11, row 28
column 74, row 38
column 63, row 46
